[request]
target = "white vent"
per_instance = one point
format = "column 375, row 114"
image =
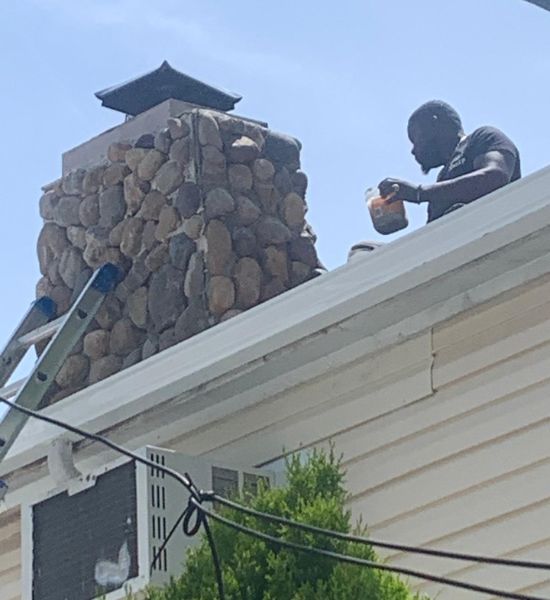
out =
column 102, row 540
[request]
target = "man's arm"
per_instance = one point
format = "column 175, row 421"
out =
column 492, row 170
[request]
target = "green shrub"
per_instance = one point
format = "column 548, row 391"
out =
column 254, row 570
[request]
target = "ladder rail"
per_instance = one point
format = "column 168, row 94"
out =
column 29, row 339
column 40, row 312
column 33, row 391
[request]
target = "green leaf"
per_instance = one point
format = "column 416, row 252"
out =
column 255, row 570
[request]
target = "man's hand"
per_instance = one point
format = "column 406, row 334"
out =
column 401, row 190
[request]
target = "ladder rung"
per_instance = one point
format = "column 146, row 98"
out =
column 10, row 390
column 41, row 333
column 40, row 312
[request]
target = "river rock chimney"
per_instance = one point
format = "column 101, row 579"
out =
column 203, row 211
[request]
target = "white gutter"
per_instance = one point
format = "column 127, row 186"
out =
column 464, row 259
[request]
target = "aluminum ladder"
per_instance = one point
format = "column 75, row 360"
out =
column 37, row 325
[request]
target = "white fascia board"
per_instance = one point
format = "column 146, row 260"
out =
column 423, row 278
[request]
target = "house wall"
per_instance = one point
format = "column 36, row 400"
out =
column 10, row 560
column 445, row 440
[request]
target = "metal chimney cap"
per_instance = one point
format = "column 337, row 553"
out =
column 142, row 93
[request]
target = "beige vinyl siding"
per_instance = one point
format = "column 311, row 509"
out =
column 469, row 468
column 10, row 544
column 446, row 439
column 491, row 482
column 309, row 413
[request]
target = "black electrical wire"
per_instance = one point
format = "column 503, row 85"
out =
column 367, row 541
column 159, row 552
column 182, row 479
column 196, row 500
column 215, row 558
column 102, row 440
column 361, row 561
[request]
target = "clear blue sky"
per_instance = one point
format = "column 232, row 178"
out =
column 342, row 77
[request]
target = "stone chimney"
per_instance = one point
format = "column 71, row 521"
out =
column 204, row 212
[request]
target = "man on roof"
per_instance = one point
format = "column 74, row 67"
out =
column 473, row 165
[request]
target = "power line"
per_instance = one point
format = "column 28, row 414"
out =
column 159, row 552
column 361, row 561
column 197, row 497
column 102, row 440
column 367, row 541
column 215, row 558
column 181, row 479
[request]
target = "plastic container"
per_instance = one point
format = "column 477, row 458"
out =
column 386, row 217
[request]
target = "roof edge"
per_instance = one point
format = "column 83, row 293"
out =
column 428, row 276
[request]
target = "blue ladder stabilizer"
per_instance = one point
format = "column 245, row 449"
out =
column 107, row 277
column 46, row 306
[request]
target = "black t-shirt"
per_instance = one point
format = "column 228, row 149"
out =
column 478, row 143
